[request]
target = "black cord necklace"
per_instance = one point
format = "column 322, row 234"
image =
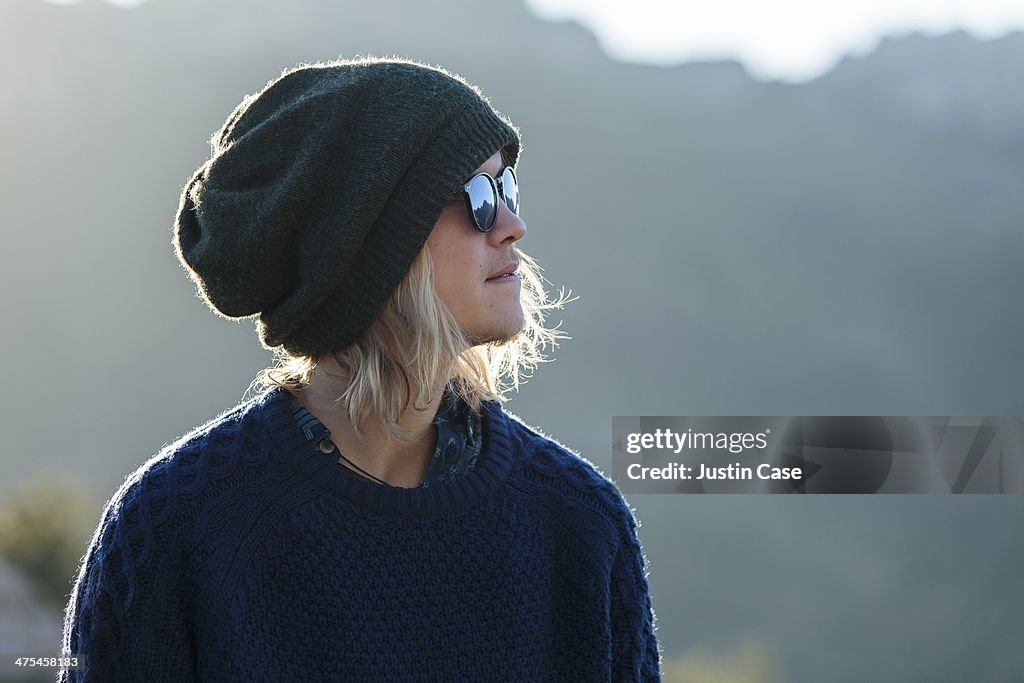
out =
column 328, row 446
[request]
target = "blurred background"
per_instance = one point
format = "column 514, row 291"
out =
column 787, row 209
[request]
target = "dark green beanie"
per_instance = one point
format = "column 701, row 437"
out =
column 323, row 187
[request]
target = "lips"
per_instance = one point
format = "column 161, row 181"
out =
column 508, row 270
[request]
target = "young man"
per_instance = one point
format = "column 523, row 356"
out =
column 373, row 513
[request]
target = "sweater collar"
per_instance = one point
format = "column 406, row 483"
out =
column 291, row 450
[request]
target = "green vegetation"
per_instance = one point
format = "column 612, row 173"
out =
column 746, row 663
column 44, row 531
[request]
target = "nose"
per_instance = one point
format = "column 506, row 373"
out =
column 508, row 227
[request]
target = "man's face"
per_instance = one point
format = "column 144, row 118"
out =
column 469, row 268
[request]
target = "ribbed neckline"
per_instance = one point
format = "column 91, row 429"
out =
column 293, row 448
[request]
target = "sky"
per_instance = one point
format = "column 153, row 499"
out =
column 788, row 40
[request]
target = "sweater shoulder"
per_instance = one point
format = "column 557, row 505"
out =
column 133, row 582
column 161, row 488
column 562, row 472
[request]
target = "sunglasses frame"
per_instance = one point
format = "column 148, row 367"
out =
column 497, row 192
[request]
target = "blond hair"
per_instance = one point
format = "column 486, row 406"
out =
column 428, row 350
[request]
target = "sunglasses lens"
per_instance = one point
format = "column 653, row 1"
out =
column 483, row 204
column 510, row 189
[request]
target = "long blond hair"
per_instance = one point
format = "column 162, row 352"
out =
column 428, row 350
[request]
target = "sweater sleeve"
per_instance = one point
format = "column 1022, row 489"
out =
column 128, row 618
column 635, row 653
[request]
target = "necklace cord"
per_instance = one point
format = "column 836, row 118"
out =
column 359, row 469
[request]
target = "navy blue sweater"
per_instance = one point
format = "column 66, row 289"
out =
column 240, row 553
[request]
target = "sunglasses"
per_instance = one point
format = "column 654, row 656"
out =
column 482, row 192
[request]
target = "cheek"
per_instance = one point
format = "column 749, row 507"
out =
column 458, row 276
column 459, row 284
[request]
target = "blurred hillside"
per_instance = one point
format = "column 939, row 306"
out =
column 848, row 246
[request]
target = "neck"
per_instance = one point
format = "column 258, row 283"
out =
column 398, row 462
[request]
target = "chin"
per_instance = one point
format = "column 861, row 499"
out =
column 502, row 333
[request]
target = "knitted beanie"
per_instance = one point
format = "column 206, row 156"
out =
column 322, row 188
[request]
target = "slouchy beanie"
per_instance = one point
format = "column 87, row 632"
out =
column 322, row 188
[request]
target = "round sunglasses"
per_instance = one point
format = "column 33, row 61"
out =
column 481, row 194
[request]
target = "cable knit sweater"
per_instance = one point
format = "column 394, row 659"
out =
column 240, row 553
